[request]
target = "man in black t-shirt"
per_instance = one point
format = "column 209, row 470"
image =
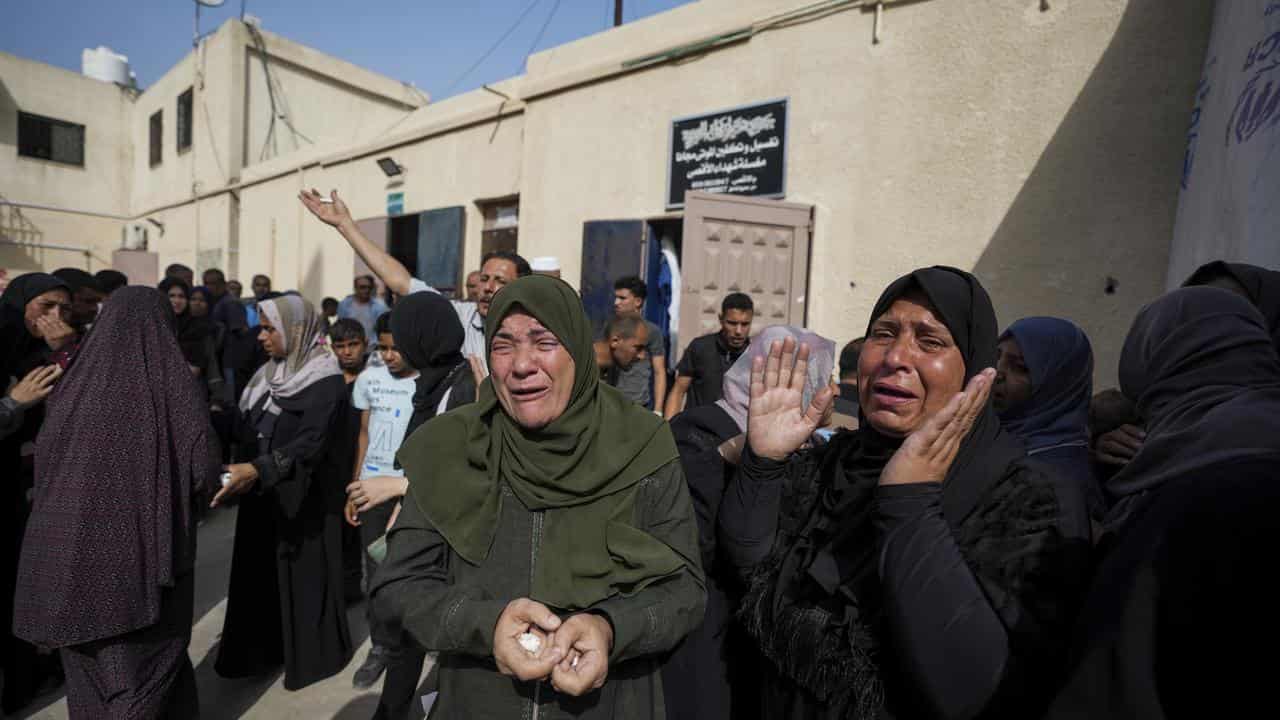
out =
column 701, row 370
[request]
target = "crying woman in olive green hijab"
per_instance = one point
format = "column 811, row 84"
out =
column 552, row 488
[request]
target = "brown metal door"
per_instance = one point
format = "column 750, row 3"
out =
column 749, row 245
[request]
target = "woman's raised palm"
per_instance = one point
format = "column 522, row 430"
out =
column 777, row 424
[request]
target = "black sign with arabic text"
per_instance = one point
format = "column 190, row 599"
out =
column 741, row 151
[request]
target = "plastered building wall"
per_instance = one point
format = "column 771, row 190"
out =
column 57, row 203
column 1039, row 149
column 457, row 167
column 329, row 102
column 190, row 194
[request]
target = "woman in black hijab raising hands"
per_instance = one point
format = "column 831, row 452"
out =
column 915, row 567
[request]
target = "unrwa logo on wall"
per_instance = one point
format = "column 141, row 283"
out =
column 1258, row 106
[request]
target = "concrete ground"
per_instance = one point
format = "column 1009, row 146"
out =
column 252, row 698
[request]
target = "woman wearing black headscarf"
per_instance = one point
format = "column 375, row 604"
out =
column 1117, row 446
column 108, row 559
column 1179, row 614
column 285, row 599
column 1260, row 285
column 35, row 316
column 27, row 302
column 915, row 567
column 429, row 335
column 197, row 338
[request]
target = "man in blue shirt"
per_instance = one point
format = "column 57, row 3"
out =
column 363, row 307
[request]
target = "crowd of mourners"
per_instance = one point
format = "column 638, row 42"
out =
column 939, row 520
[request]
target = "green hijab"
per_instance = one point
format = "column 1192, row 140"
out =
column 583, row 469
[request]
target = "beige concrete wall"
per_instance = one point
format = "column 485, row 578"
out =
column 59, row 204
column 102, row 185
column 333, row 102
column 1039, row 149
column 217, row 137
column 457, row 167
column 328, row 102
column 174, row 178
column 99, row 236
column 195, row 233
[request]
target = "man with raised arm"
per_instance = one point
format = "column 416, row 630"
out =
column 496, row 270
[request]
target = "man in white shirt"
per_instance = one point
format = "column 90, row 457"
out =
column 384, row 395
column 496, row 270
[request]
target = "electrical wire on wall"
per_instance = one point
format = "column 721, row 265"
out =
column 276, row 96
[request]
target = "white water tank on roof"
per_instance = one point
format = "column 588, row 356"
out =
column 102, row 63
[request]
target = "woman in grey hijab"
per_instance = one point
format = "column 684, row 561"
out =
column 285, row 603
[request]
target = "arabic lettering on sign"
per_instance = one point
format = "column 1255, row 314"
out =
column 731, row 149
column 727, row 128
column 740, row 151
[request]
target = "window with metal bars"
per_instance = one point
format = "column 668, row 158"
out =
column 157, row 137
column 50, row 139
column 501, row 225
column 184, row 120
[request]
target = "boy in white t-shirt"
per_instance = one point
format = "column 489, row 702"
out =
column 384, row 395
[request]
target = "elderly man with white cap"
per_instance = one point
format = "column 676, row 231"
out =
column 546, row 265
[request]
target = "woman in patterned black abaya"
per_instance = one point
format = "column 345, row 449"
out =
column 108, row 560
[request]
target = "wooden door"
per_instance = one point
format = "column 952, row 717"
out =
column 748, row 245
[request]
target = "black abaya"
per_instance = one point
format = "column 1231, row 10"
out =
column 1181, row 616
column 941, row 600
column 22, row 352
column 287, row 606
column 713, row 673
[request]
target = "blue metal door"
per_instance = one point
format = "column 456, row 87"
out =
column 440, row 238
column 610, row 249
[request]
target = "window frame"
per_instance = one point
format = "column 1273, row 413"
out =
column 496, row 235
column 25, row 118
column 183, row 127
column 155, row 138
